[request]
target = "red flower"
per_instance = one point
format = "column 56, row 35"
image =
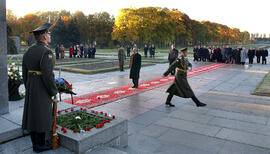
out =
column 101, row 125
column 9, row 70
column 113, row 116
column 108, row 120
column 66, row 110
column 104, row 121
column 84, row 110
column 59, row 112
column 65, row 130
column 11, row 66
column 81, row 108
column 96, row 112
column 56, row 127
column 105, row 114
column 72, row 109
column 75, row 131
column 92, row 111
column 88, row 128
column 101, row 112
column 97, row 126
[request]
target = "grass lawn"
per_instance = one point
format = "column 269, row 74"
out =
column 264, row 87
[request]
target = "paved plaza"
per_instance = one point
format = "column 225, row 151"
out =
column 234, row 121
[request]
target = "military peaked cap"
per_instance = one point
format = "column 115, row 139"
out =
column 42, row 29
column 184, row 49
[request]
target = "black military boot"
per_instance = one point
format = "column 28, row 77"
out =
column 168, row 101
column 197, row 102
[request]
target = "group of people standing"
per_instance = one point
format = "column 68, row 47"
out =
column 76, row 51
column 228, row 54
column 151, row 48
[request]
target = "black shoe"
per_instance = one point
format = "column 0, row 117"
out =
column 170, row 104
column 200, row 104
column 42, row 148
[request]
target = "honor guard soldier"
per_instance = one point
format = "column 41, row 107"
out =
column 180, row 86
column 38, row 77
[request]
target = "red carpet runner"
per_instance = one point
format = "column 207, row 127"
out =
column 107, row 96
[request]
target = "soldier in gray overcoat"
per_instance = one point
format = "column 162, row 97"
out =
column 121, row 58
column 38, row 77
column 180, row 86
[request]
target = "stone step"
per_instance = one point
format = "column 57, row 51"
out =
column 107, row 150
column 9, row 130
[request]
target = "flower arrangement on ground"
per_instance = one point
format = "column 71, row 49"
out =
column 81, row 121
column 14, row 81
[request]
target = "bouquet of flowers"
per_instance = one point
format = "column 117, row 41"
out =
column 14, row 81
column 14, row 75
column 63, row 86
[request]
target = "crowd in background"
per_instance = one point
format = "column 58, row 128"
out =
column 76, row 51
column 237, row 55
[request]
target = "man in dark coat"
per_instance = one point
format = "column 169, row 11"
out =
column 173, row 55
column 93, row 51
column 121, row 58
column 251, row 54
column 258, row 55
column 180, row 86
column 128, row 50
column 152, row 50
column 145, row 50
column 38, row 77
column 135, row 67
column 264, row 55
column 57, row 51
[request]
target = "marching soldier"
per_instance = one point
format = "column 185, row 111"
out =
column 180, row 86
column 38, row 77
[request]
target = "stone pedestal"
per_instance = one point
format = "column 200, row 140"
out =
column 3, row 60
column 113, row 134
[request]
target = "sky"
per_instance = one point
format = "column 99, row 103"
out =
column 249, row 15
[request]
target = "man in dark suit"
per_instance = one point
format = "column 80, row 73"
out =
column 145, row 50
column 264, row 55
column 173, row 55
column 38, row 63
column 135, row 67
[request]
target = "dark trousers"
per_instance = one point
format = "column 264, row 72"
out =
column 145, row 53
column 194, row 98
column 38, row 139
column 258, row 59
column 250, row 60
column 263, row 60
column 136, row 83
column 121, row 67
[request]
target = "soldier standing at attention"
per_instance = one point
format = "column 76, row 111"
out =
column 121, row 58
column 135, row 67
column 38, row 77
column 180, row 86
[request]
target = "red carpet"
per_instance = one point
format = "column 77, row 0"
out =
column 107, row 96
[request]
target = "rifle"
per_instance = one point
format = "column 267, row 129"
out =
column 55, row 136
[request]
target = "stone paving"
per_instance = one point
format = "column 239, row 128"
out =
column 233, row 122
